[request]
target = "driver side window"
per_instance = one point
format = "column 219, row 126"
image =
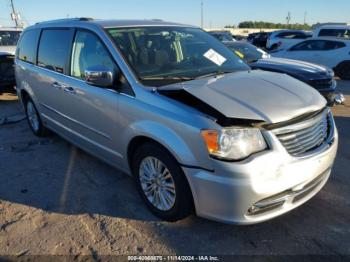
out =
column 88, row 51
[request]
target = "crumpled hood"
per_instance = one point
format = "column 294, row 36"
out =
column 294, row 67
column 7, row 50
column 255, row 95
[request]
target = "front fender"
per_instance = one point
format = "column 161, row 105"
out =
column 170, row 139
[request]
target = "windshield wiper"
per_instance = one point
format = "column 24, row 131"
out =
column 216, row 73
column 183, row 78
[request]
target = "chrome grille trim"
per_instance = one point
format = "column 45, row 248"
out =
column 300, row 138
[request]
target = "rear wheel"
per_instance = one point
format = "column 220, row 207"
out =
column 34, row 120
column 161, row 183
column 343, row 70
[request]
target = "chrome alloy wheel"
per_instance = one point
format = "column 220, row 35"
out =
column 33, row 116
column 157, row 183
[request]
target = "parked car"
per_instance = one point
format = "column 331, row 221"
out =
column 319, row 77
column 223, row 36
column 339, row 31
column 330, row 52
column 195, row 127
column 251, row 37
column 240, row 37
column 283, row 39
column 259, row 39
column 8, row 41
column 247, row 52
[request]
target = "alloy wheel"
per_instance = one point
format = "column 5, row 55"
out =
column 157, row 183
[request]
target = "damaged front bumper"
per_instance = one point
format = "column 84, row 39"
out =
column 266, row 185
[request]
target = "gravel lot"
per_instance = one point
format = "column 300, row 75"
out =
column 56, row 199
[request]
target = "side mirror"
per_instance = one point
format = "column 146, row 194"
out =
column 99, row 75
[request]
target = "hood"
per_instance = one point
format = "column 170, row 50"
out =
column 254, row 95
column 305, row 70
column 7, row 50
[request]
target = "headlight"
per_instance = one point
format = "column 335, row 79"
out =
column 234, row 143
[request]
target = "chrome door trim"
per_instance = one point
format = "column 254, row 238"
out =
column 83, row 137
column 80, row 80
column 77, row 122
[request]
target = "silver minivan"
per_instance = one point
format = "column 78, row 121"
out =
column 170, row 105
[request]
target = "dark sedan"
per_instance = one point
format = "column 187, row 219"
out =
column 319, row 77
column 258, row 39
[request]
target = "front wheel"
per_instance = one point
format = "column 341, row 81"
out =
column 162, row 183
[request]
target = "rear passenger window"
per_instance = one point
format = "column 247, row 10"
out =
column 26, row 50
column 330, row 45
column 54, row 49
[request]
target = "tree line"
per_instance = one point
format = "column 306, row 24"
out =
column 268, row 25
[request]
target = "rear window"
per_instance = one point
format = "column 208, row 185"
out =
column 26, row 50
column 9, row 38
column 54, row 49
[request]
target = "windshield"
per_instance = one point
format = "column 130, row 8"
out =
column 248, row 52
column 223, row 37
column 9, row 38
column 160, row 55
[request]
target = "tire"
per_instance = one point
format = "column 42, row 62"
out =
column 177, row 202
column 343, row 70
column 34, row 120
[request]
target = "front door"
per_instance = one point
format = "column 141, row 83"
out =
column 92, row 111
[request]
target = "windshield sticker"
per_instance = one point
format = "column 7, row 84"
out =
column 215, row 57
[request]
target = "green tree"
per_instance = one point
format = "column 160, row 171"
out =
column 269, row 25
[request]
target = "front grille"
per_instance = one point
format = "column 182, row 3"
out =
column 321, row 83
column 305, row 136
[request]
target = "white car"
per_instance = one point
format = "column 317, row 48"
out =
column 332, row 31
column 331, row 52
column 8, row 39
column 285, row 38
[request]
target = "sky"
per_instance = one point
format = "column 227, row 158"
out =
column 217, row 13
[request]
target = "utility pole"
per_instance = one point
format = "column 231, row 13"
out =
column 305, row 16
column 202, row 15
column 288, row 18
column 14, row 15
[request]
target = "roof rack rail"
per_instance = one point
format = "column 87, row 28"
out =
column 67, row 19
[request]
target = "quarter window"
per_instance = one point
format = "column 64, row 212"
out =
column 26, row 50
column 89, row 51
column 54, row 48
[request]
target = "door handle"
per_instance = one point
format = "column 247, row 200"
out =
column 57, row 85
column 70, row 90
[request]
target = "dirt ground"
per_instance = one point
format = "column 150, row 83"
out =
column 56, row 199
